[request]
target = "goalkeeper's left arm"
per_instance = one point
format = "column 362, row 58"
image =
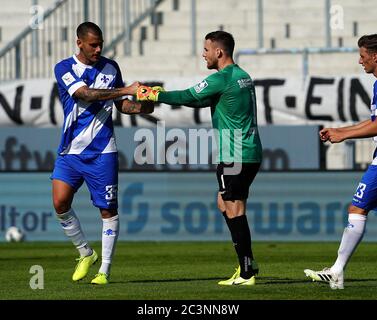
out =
column 183, row 97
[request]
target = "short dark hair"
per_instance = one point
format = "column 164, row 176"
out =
column 88, row 27
column 224, row 38
column 369, row 42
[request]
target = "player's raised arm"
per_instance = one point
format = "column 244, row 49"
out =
column 89, row 95
column 177, row 97
column 198, row 96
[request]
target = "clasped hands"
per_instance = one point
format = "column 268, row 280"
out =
column 146, row 93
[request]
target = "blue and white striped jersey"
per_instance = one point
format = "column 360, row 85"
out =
column 373, row 109
column 88, row 127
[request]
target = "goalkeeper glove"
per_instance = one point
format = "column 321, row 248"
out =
column 158, row 88
column 145, row 93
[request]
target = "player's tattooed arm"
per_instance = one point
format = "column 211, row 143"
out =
column 89, row 95
column 132, row 107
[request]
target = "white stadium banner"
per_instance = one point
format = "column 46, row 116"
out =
column 281, row 101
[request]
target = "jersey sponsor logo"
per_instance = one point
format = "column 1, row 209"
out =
column 201, row 86
column 68, row 78
column 245, row 83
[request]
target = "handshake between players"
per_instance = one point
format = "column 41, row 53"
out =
column 146, row 93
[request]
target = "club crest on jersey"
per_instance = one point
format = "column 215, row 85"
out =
column 68, row 78
column 104, row 79
column 201, row 86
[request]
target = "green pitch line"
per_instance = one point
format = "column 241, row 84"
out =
column 184, row 270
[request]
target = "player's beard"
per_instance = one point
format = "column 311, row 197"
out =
column 211, row 65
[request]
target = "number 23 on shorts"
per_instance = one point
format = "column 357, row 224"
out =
column 360, row 190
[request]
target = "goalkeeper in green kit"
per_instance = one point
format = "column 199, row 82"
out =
column 230, row 93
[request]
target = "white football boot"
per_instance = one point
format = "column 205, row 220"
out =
column 336, row 280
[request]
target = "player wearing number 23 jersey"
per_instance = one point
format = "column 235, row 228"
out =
column 365, row 196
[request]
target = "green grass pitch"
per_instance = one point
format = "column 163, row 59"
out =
column 185, row 271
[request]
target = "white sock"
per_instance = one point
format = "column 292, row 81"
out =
column 352, row 236
column 110, row 232
column 72, row 229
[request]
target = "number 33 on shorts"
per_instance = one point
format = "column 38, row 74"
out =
column 111, row 192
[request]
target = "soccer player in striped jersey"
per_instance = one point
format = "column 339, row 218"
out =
column 365, row 197
column 89, row 84
column 230, row 93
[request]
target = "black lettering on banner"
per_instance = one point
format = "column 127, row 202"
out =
column 53, row 96
column 24, row 155
column 9, row 154
column 290, row 102
column 357, row 90
column 133, row 120
column 36, row 103
column 266, row 84
column 347, row 109
column 340, row 103
column 197, row 116
column 273, row 157
column 310, row 99
column 117, row 122
column 46, row 163
column 15, row 113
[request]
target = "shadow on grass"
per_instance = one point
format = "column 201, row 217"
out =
column 260, row 280
column 167, row 280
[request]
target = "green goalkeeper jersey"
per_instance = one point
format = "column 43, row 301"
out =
column 231, row 94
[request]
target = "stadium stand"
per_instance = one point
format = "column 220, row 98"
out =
column 291, row 24
column 288, row 24
column 15, row 16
